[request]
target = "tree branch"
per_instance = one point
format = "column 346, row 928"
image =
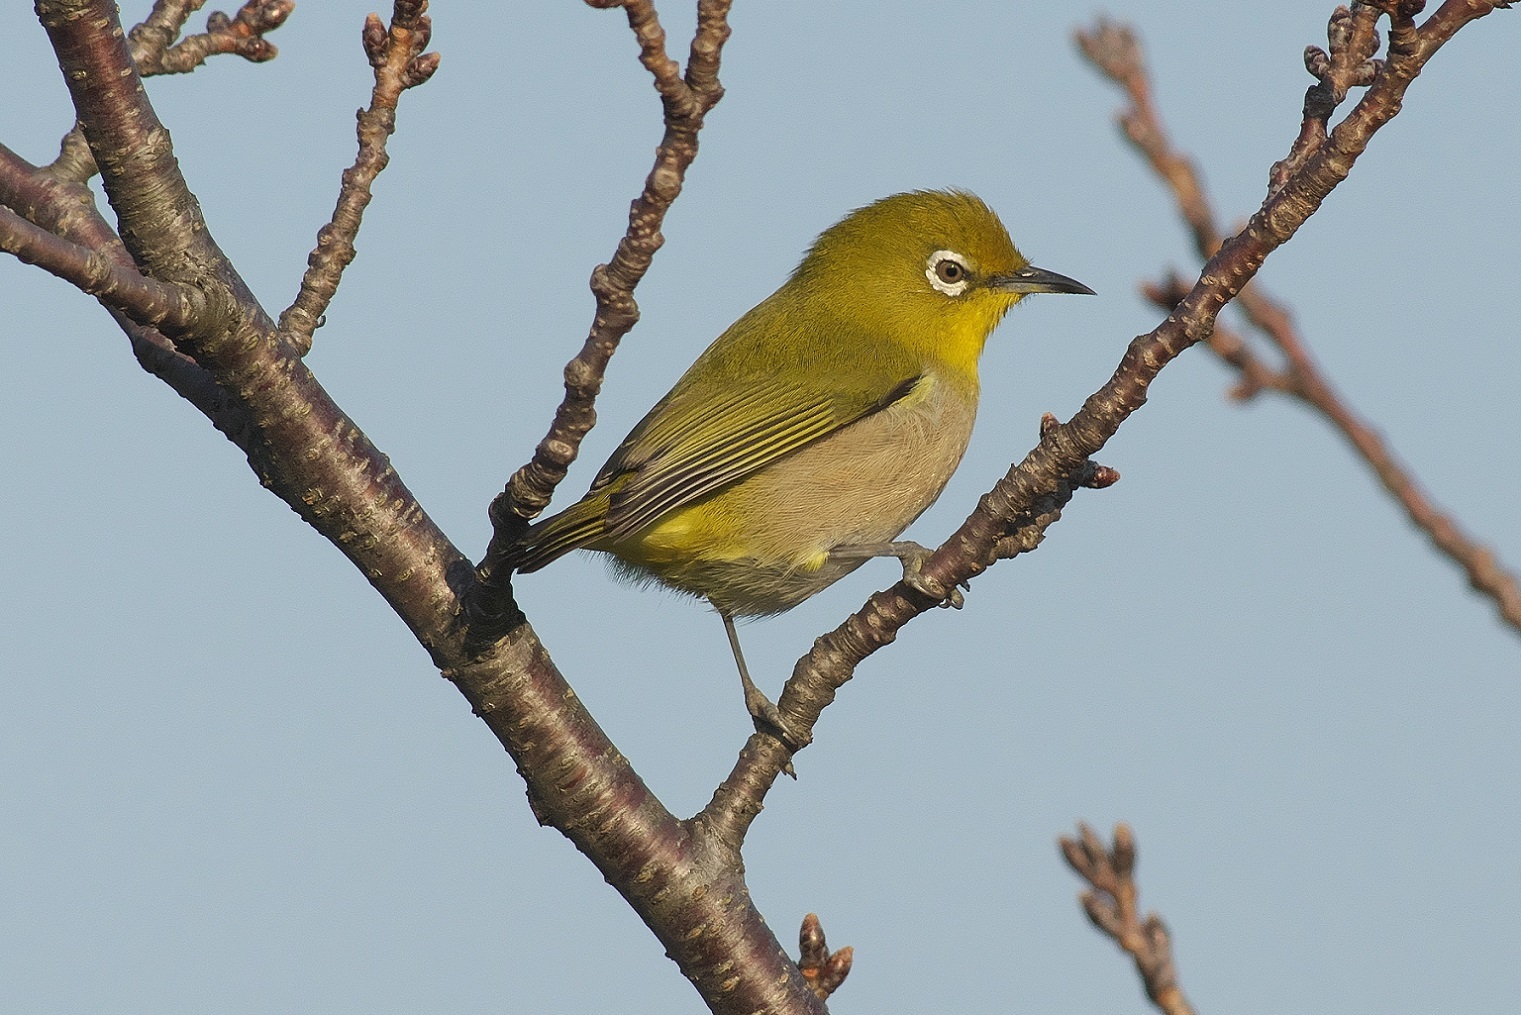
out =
column 162, row 305
column 159, row 30
column 1116, row 52
column 156, row 52
column 1065, row 449
column 1112, row 904
column 686, row 883
column 686, row 101
column 400, row 63
column 67, row 209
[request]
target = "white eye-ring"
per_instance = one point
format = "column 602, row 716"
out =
column 947, row 272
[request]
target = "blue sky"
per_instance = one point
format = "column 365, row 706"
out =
column 233, row 782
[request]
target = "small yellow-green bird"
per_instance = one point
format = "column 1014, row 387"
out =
column 815, row 429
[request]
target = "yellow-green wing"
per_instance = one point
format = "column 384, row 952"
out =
column 687, row 448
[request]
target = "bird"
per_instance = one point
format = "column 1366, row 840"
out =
column 815, row 429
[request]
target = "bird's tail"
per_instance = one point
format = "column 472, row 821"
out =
column 572, row 529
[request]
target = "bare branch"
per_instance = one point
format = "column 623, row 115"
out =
column 1065, row 449
column 159, row 30
column 1116, row 52
column 242, row 34
column 686, row 102
column 1112, row 904
column 163, row 305
column 67, row 209
column 400, row 63
column 161, row 222
column 686, row 882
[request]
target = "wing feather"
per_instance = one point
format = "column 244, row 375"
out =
column 673, row 458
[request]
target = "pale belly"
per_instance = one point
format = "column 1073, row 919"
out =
column 763, row 545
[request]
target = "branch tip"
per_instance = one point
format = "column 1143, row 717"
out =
column 397, row 55
column 822, row 969
column 1110, row 903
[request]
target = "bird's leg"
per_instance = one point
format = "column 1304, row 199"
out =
column 912, row 555
column 767, row 717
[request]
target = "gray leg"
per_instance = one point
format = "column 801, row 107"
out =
column 912, row 555
column 762, row 710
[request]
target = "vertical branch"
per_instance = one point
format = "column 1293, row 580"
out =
column 397, row 55
column 686, row 101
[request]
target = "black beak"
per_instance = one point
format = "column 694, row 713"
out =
column 1031, row 279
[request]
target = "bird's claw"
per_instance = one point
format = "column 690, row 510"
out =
column 769, row 721
column 915, row 578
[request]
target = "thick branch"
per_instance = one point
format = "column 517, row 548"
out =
column 1065, row 449
column 1112, row 903
column 1116, row 52
column 400, row 63
column 686, row 883
column 155, row 51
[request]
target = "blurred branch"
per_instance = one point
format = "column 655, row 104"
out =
column 1065, row 449
column 396, row 53
column 686, row 100
column 1112, row 903
column 1116, row 52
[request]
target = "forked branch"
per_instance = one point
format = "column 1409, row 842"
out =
column 1112, row 902
column 1064, row 450
column 686, row 100
column 1353, row 39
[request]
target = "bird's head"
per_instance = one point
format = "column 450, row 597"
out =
column 931, row 270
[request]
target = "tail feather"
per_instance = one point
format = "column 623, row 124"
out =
column 577, row 526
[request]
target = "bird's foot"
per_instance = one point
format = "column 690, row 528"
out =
column 769, row 721
column 912, row 555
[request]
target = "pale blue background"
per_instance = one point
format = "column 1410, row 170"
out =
column 230, row 781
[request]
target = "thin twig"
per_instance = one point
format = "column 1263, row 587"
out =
column 1116, row 52
column 159, row 30
column 1112, row 903
column 686, row 100
column 1065, row 449
column 400, row 63
column 242, row 34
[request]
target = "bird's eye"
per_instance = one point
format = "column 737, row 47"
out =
column 947, row 272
